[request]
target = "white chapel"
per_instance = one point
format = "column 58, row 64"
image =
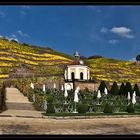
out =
column 77, row 70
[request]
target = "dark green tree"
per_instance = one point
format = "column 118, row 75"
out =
column 94, row 57
column 136, row 88
column 138, row 57
column 114, row 89
column 102, row 86
column 121, row 91
column 128, row 88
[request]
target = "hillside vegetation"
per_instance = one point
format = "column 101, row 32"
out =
column 18, row 59
column 114, row 70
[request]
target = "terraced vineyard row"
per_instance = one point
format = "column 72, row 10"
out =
column 15, row 57
column 114, row 70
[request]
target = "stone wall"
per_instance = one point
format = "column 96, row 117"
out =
column 89, row 85
column 49, row 82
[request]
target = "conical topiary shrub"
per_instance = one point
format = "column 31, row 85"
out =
column 136, row 88
column 114, row 89
column 121, row 90
column 102, row 86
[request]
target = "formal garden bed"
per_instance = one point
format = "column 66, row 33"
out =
column 88, row 115
column 53, row 102
column 91, row 114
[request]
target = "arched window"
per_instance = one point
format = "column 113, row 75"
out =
column 72, row 75
column 81, row 75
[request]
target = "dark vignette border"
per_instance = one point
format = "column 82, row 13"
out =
column 68, row 2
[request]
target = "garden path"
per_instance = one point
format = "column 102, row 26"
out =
column 18, row 105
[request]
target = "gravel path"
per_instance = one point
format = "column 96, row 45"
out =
column 98, row 126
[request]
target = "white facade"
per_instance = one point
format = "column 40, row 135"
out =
column 78, row 72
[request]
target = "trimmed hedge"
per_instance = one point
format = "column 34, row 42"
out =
column 2, row 98
column 50, row 99
column 130, row 108
column 108, row 108
column 50, row 108
column 82, row 108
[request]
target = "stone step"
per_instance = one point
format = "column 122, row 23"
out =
column 14, row 95
column 21, row 113
column 19, row 106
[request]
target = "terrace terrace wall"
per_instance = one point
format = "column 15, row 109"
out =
column 49, row 81
column 87, row 85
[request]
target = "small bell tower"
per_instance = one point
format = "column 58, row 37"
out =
column 77, row 56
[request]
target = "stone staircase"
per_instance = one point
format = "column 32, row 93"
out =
column 18, row 105
column 16, row 100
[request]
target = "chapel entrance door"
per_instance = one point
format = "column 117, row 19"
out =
column 72, row 76
column 81, row 76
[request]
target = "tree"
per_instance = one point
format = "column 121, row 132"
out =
column 136, row 88
column 83, row 57
column 138, row 57
column 121, row 91
column 95, row 57
column 102, row 86
column 25, row 44
column 114, row 89
column 128, row 88
column 13, row 40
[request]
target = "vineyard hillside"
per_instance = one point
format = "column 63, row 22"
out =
column 17, row 60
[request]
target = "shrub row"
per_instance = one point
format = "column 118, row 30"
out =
column 83, row 108
column 2, row 98
column 122, row 90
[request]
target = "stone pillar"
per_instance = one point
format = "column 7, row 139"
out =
column 69, row 74
column 66, row 75
column 88, row 75
column 85, row 74
column 77, row 75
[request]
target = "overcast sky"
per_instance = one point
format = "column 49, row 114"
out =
column 110, row 31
